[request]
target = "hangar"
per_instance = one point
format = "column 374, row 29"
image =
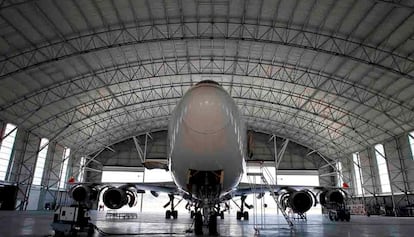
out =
column 325, row 89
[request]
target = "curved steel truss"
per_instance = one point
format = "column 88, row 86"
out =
column 335, row 76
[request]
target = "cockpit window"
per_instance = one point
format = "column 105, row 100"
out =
column 208, row 82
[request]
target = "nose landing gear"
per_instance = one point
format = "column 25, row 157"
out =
column 211, row 223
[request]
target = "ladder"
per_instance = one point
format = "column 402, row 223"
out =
column 274, row 196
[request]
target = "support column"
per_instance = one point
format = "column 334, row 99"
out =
column 25, row 157
column 362, row 185
column 54, row 166
column 366, row 171
column 275, row 159
column 347, row 166
column 397, row 171
column 403, row 172
column 376, row 184
column 392, row 191
column 51, row 175
column 276, row 164
column 74, row 166
column 2, row 130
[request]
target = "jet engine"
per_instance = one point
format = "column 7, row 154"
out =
column 331, row 196
column 83, row 193
column 115, row 198
column 298, row 201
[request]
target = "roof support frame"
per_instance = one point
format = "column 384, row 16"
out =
column 307, row 74
column 326, row 43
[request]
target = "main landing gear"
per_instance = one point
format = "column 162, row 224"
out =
column 172, row 212
column 242, row 214
column 340, row 213
column 206, row 216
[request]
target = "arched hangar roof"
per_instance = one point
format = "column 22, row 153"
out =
column 334, row 76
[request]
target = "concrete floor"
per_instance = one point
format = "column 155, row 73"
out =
column 153, row 224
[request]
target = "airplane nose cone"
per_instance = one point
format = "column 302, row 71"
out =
column 206, row 109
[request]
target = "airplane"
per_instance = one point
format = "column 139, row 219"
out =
column 207, row 152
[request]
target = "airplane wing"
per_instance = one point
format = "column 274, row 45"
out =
column 163, row 187
column 299, row 198
column 116, row 195
column 250, row 188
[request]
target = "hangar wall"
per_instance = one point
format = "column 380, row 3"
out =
column 21, row 171
column 24, row 163
column 369, row 174
column 400, row 163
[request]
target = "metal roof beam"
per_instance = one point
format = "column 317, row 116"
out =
column 369, row 54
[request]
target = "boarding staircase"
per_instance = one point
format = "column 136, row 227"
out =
column 268, row 186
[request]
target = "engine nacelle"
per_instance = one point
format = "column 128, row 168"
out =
column 298, row 201
column 83, row 193
column 115, row 198
column 332, row 196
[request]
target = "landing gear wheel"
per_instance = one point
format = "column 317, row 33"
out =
column 192, row 214
column 348, row 217
column 238, row 215
column 212, row 225
column 174, row 214
column 331, row 216
column 341, row 215
column 168, row 214
column 73, row 233
column 91, row 230
column 222, row 215
column 246, row 216
column 198, row 224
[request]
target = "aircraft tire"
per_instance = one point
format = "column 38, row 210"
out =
column 246, row 216
column 331, row 216
column 168, row 214
column 73, row 233
column 222, row 215
column 212, row 225
column 238, row 215
column 198, row 224
column 91, row 230
column 342, row 215
column 174, row 214
column 192, row 214
column 348, row 217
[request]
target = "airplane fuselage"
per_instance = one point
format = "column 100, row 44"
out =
column 207, row 142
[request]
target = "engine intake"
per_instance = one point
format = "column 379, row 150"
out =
column 83, row 193
column 298, row 201
column 115, row 198
column 332, row 196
